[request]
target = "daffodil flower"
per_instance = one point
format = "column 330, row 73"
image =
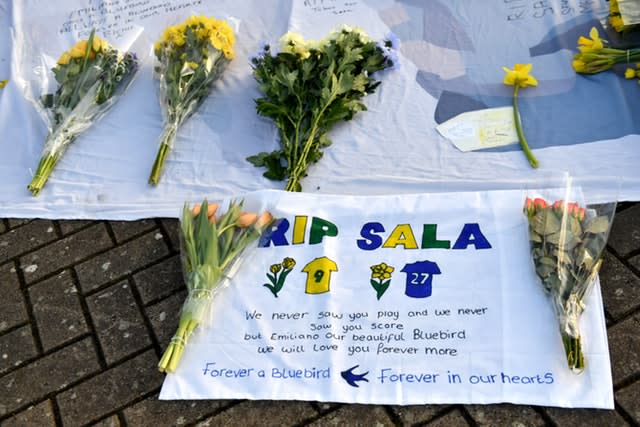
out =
column 590, row 44
column 519, row 77
column 629, row 73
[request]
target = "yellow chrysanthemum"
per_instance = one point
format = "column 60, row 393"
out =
column 629, row 73
column 590, row 44
column 519, row 76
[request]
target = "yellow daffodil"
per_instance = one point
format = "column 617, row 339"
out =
column 616, row 22
column 578, row 65
column 629, row 73
column 590, row 44
column 3, row 83
column 519, row 76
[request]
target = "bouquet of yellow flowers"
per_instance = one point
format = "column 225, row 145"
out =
column 210, row 246
column 595, row 55
column 191, row 57
column 308, row 87
column 91, row 76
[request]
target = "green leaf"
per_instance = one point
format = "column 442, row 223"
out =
column 545, row 222
column 597, row 225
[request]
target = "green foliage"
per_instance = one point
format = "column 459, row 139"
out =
column 307, row 91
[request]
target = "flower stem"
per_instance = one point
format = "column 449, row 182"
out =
column 165, row 144
column 518, row 122
column 45, row 167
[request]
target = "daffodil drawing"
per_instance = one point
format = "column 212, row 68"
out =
column 519, row 77
column 278, row 274
column 381, row 278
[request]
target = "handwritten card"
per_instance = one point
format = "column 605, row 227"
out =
column 428, row 298
column 476, row 130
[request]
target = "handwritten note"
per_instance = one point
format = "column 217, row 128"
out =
column 518, row 10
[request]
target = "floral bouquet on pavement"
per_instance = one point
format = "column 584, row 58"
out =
column 308, row 87
column 567, row 245
column 210, row 245
column 191, row 57
column 91, row 77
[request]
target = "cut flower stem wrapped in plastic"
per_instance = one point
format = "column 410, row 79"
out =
column 191, row 57
column 91, row 76
column 567, row 245
column 211, row 246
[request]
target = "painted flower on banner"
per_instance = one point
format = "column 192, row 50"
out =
column 191, row 57
column 211, row 244
column 91, row 76
column 278, row 274
column 567, row 244
column 308, row 87
column 520, row 77
column 381, row 278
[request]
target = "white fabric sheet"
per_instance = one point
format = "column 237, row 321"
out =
column 392, row 148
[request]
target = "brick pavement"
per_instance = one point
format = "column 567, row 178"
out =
column 88, row 306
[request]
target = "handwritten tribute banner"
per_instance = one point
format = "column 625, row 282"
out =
column 449, row 76
column 409, row 299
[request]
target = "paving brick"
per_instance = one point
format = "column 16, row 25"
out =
column 453, row 419
column 355, row 415
column 629, row 399
column 23, row 239
column 57, row 310
column 124, row 230
column 154, row 412
column 504, row 414
column 115, row 388
column 624, row 347
column 120, row 261
column 12, row 305
column 164, row 317
column 620, row 288
column 15, row 347
column 582, row 417
column 3, row 227
column 40, row 415
column 159, row 280
column 172, row 227
column 413, row 414
column 625, row 231
column 112, row 421
column 635, row 262
column 17, row 222
column 46, row 375
column 65, row 252
column 71, row 225
column 268, row 413
column 118, row 322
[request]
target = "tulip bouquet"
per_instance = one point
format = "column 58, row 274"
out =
column 567, row 244
column 210, row 244
column 308, row 87
column 91, row 76
column 595, row 55
column 191, row 57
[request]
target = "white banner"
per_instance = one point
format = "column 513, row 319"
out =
column 451, row 60
column 412, row 299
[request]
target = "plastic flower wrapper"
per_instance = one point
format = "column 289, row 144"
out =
column 567, row 243
column 191, row 56
column 596, row 55
column 91, row 76
column 308, row 87
column 624, row 15
column 212, row 246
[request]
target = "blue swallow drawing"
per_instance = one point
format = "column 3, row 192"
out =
column 351, row 378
